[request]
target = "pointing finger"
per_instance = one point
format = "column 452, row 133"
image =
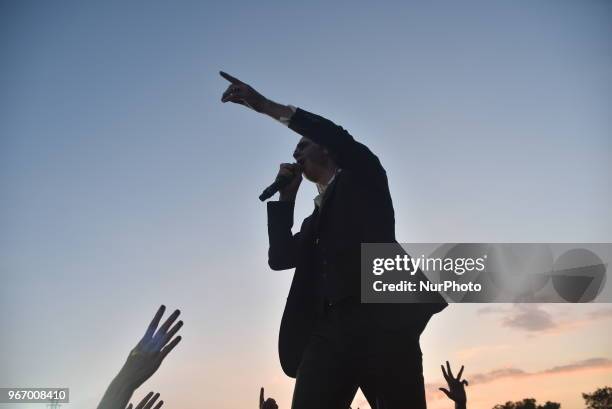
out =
column 231, row 79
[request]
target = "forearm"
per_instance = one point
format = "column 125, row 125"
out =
column 118, row 394
column 276, row 111
column 460, row 405
column 282, row 250
column 287, row 197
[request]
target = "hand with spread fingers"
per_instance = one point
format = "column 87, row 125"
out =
column 456, row 386
column 154, row 346
column 267, row 403
column 241, row 93
column 142, row 363
column 148, row 401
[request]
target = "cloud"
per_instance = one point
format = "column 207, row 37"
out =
column 497, row 374
column 533, row 318
column 529, row 317
column 593, row 363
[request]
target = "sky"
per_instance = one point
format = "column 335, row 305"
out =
column 127, row 184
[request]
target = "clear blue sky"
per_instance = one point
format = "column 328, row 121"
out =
column 126, row 183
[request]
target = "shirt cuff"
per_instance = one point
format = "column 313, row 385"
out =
column 285, row 120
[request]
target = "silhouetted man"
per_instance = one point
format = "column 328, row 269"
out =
column 330, row 342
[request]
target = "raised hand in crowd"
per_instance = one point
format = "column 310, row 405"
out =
column 456, row 386
column 267, row 403
column 148, row 401
column 143, row 360
column 154, row 346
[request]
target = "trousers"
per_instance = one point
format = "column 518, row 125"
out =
column 349, row 348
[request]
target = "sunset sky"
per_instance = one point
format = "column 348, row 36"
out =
column 127, row 184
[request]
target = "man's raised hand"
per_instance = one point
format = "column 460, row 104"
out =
column 154, row 346
column 241, row 93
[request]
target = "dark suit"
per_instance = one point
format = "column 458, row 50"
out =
column 325, row 331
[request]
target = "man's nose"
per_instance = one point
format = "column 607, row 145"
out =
column 295, row 154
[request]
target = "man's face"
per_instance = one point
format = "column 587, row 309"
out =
column 311, row 157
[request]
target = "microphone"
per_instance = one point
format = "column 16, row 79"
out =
column 280, row 182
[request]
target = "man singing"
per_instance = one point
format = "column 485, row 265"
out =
column 330, row 342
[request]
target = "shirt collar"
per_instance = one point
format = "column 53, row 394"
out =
column 322, row 188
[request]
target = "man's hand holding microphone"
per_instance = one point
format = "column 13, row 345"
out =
column 293, row 172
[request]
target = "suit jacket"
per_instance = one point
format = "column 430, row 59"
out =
column 356, row 208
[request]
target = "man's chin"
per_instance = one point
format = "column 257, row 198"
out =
column 309, row 177
column 306, row 172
